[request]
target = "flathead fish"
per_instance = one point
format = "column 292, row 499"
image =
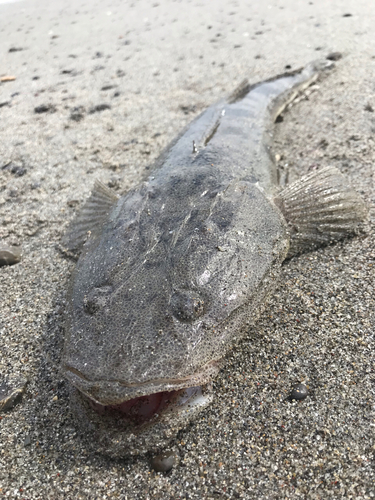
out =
column 171, row 274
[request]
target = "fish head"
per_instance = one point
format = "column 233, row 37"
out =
column 158, row 298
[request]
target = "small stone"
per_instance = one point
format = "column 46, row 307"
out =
column 99, row 107
column 45, row 108
column 369, row 108
column 163, row 462
column 18, row 171
column 190, row 108
column 11, row 391
column 77, row 114
column 334, row 56
column 72, row 203
column 108, row 87
column 299, row 392
column 9, row 255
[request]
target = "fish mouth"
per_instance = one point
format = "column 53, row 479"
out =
column 137, row 405
column 146, row 409
column 146, row 423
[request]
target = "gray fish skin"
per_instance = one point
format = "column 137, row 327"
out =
column 172, row 273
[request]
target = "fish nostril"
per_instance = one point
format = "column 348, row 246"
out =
column 96, row 299
column 187, row 306
column 90, row 306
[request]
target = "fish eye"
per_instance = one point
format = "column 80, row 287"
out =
column 187, row 306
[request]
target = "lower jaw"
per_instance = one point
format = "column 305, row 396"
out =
column 144, row 409
column 113, row 435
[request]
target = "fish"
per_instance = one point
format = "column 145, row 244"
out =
column 171, row 275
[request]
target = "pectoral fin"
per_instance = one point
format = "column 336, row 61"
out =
column 320, row 208
column 90, row 218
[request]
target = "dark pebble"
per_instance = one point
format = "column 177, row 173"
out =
column 77, row 114
column 98, row 68
column 18, row 171
column 72, row 203
column 45, row 108
column 334, row 56
column 347, row 15
column 369, row 108
column 108, row 87
column 15, row 49
column 299, row 392
column 190, row 108
column 163, row 462
column 99, row 107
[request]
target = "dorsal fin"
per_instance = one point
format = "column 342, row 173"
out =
column 90, row 217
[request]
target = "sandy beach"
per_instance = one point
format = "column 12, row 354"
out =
column 94, row 90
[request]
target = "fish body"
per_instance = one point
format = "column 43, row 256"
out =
column 171, row 274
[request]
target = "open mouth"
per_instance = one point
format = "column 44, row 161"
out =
column 143, row 409
column 113, row 407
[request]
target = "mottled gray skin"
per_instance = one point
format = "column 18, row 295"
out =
column 181, row 266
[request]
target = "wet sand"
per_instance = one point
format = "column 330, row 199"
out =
column 99, row 89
